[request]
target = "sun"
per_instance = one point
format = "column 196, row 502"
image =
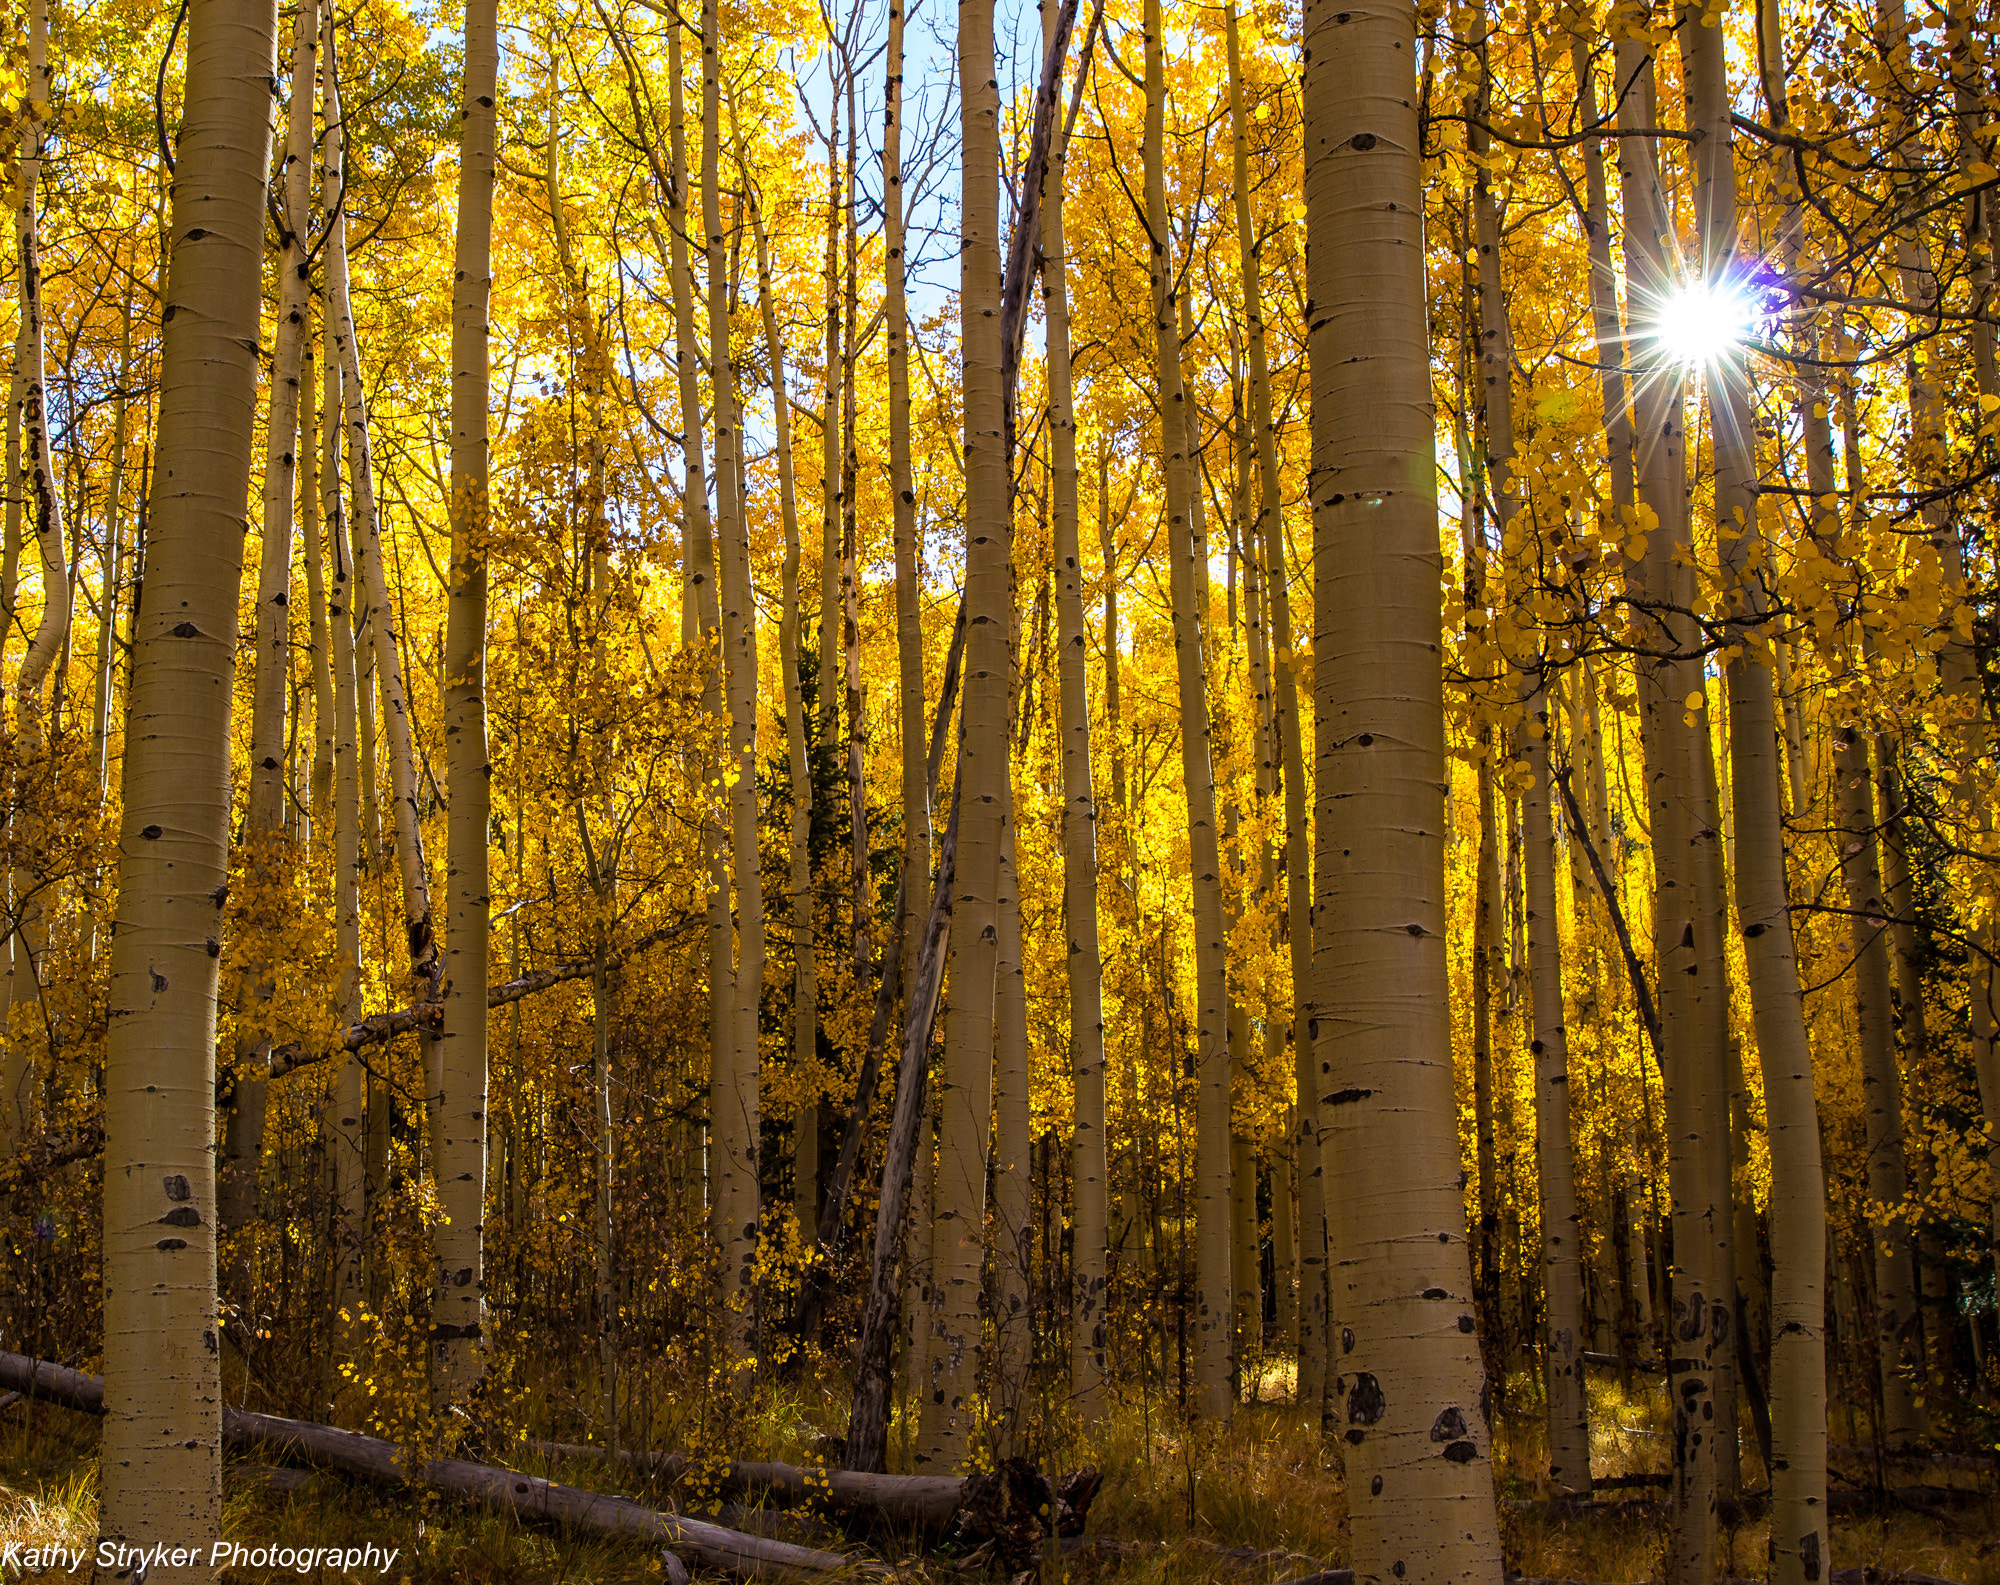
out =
column 1701, row 322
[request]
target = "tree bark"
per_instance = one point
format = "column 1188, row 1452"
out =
column 1089, row 1167
column 1660, row 584
column 39, row 486
column 1562, row 1224
column 739, row 1126
column 458, row 1308
column 1419, row 1458
column 162, row 1475
column 1213, row 1310
column 966, row 1083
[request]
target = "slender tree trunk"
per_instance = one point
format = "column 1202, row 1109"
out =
column 44, row 501
column 1898, row 1334
column 1661, row 583
column 1212, row 1304
column 114, row 557
column 458, row 1309
column 829, row 431
column 737, row 1117
column 264, row 860
column 1013, row 1164
column 798, row 885
column 1089, row 1167
column 1419, row 1468
column 312, row 550
column 162, row 1476
column 378, row 612
column 1562, row 1225
column 966, row 1081
column 352, row 1185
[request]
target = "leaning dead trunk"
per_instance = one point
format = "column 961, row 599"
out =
column 1409, row 1387
column 162, row 1472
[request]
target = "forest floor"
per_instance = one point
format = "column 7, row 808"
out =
column 1257, row 1504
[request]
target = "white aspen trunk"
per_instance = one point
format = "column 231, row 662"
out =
column 1013, row 1163
column 458, row 1307
column 1419, row 1459
column 701, row 612
column 44, row 500
column 911, row 716
column 350, row 1183
column 114, row 561
column 829, row 432
column 1664, row 682
column 162, row 1442
column 965, row 1084
column 264, row 861
column 1213, row 1309
column 1562, row 1226
column 737, row 1113
column 312, row 550
column 265, row 810
column 378, row 612
column 1800, row 1541
column 1089, row 1165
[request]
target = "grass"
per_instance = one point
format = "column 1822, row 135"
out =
column 1256, row 1503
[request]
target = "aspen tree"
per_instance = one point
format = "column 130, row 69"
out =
column 49, row 643
column 1013, row 1163
column 1898, row 1340
column 377, row 615
column 265, row 810
column 1562, row 1225
column 312, row 551
column 1213, row 1309
column 966, row 1081
column 798, row 884
column 1799, row 1536
column 161, row 1480
column 1419, row 1468
column 1089, row 1166
column 1705, row 80
column 351, row 1186
column 829, row 425
column 914, row 735
column 114, row 552
column 264, row 813
column 1660, row 584
column 1488, row 394
column 458, row 1308
column 41, row 490
column 736, row 1117
column 700, row 610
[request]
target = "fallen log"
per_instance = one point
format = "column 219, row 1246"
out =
column 526, row 1497
column 938, row 1504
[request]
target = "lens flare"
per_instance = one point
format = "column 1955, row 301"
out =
column 1702, row 322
